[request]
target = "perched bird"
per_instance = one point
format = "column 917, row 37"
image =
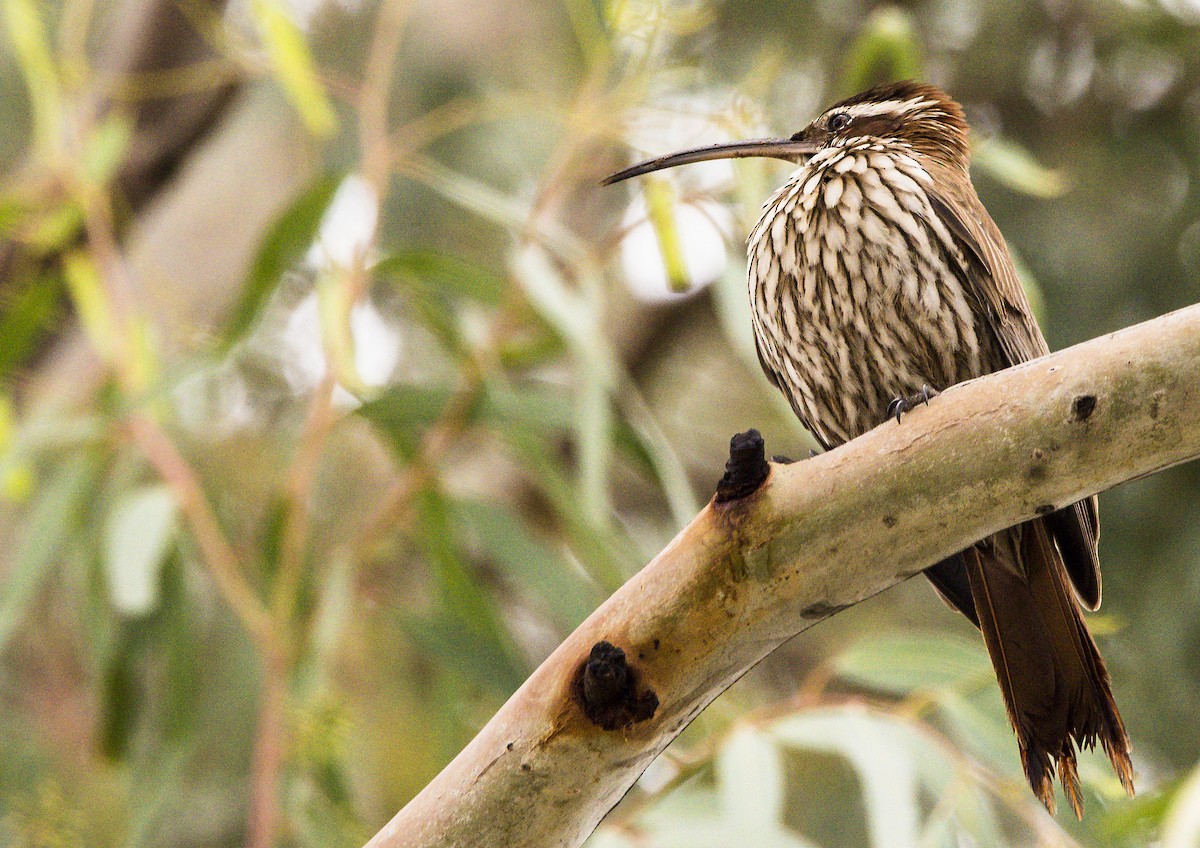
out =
column 876, row 279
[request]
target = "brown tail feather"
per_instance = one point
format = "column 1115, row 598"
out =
column 1054, row 683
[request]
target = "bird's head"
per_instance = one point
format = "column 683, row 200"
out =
column 919, row 115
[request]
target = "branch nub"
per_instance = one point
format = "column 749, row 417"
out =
column 746, row 469
column 606, row 687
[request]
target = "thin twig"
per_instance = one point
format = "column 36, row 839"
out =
column 395, row 508
column 270, row 747
column 215, row 551
column 298, row 489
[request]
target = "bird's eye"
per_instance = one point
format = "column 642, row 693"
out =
column 838, row 121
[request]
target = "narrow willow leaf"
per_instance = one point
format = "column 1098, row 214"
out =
column 468, row 619
column 594, row 426
column 91, row 304
column 982, row 731
column 900, row 663
column 887, row 48
column 47, row 527
column 27, row 35
column 293, row 66
column 29, row 310
column 435, row 286
column 607, row 557
column 464, row 653
column 543, row 406
column 162, row 785
column 575, row 317
column 750, row 780
column 403, row 412
column 1012, row 165
column 138, row 534
column 444, row 272
column 105, row 149
column 335, row 306
column 551, row 583
column 664, row 460
column 660, row 209
column 55, row 228
column 880, row 751
column 1181, row 826
column 284, row 244
column 1033, row 291
column 16, row 478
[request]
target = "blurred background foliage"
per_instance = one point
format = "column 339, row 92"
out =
column 336, row 391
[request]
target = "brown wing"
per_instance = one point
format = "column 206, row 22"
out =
column 992, row 278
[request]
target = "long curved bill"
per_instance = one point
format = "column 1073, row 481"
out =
column 790, row 150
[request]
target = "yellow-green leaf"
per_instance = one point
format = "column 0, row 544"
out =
column 105, row 149
column 1011, row 164
column 294, row 68
column 660, row 207
column 887, row 48
column 28, row 38
column 91, row 303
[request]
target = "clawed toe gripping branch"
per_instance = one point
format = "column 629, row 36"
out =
column 783, row 546
column 902, row 404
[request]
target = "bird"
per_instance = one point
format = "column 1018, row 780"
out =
column 877, row 279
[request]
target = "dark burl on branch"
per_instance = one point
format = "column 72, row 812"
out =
column 746, row 468
column 607, row 689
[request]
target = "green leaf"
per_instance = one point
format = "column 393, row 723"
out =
column 900, row 663
column 544, row 407
column 293, row 66
column 434, row 284
column 1181, row 826
column 92, row 304
column 979, row 726
column 162, row 643
column 881, row 751
column 16, row 476
column 468, row 619
column 750, row 779
column 886, row 49
column 442, row 273
column 660, row 210
column 464, row 653
column 28, row 312
column 27, row 34
column 288, row 239
column 403, row 413
column 1012, row 165
column 47, row 527
column 546, row 577
column 607, row 557
column 56, row 228
column 105, row 148
column 14, row 211
column 138, row 535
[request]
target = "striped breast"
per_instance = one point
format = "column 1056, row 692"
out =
column 858, row 290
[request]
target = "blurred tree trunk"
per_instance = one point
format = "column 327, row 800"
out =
column 143, row 72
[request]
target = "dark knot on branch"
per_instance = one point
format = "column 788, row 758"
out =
column 607, row 689
column 746, row 469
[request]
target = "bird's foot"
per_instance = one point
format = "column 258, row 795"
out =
column 902, row 404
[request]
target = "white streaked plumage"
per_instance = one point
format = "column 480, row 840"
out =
column 850, row 267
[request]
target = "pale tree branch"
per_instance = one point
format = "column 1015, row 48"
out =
column 817, row 537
